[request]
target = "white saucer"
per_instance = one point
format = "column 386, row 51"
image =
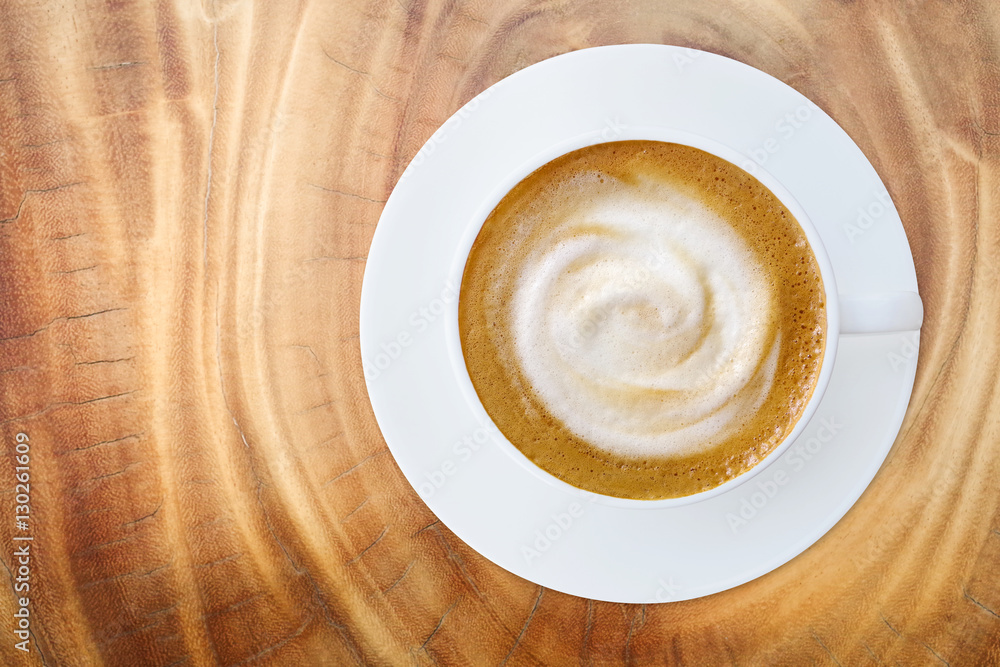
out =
column 550, row 535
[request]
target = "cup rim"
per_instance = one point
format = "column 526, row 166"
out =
column 668, row 135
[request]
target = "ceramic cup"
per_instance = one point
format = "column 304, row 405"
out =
column 846, row 314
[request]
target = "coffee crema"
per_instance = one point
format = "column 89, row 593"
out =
column 642, row 319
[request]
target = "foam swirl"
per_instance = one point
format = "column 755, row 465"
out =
column 644, row 322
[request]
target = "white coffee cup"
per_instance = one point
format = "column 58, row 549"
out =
column 846, row 314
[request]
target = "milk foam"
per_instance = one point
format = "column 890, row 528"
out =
column 645, row 323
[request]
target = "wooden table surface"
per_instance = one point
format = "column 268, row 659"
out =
column 188, row 192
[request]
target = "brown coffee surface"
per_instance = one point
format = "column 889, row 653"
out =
column 532, row 217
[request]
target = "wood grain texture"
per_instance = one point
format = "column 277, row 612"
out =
column 187, row 196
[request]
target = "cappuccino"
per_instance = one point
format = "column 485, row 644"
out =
column 642, row 319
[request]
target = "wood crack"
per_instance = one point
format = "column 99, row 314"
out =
column 235, row 605
column 317, row 595
column 130, row 63
column 455, row 558
column 69, row 271
column 60, row 319
column 277, row 645
column 308, row 349
column 218, row 359
column 355, row 467
column 584, row 652
column 365, row 550
column 333, row 437
column 437, row 627
column 401, row 577
column 164, row 610
column 24, row 198
column 131, row 573
column 894, row 630
column 473, row 18
column 524, row 628
column 825, row 648
column 220, row 561
column 211, row 522
column 351, row 513
column 60, row 404
column 102, row 442
column 345, row 65
column 983, row 130
column 332, row 258
column 129, row 633
column 347, row 194
column 937, row 655
column 871, row 653
column 367, row 75
column 430, row 525
column 103, row 361
column 102, row 545
column 143, row 518
column 631, row 630
column 113, row 474
column 979, row 604
column 317, row 407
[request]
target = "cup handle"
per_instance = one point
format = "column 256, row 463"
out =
column 885, row 312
